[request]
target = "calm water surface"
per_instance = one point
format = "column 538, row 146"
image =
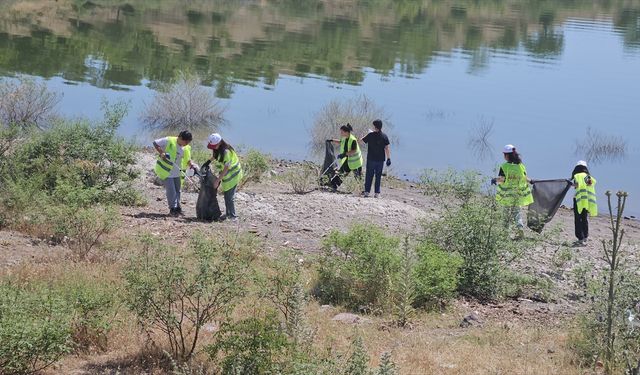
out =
column 542, row 72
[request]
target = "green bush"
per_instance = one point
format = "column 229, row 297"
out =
column 476, row 232
column 358, row 268
column 72, row 165
column 178, row 292
column 254, row 165
column 435, row 275
column 257, row 345
column 35, row 329
column 302, row 178
column 85, row 227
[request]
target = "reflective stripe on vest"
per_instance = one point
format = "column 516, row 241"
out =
column 164, row 167
column 586, row 194
column 515, row 190
column 353, row 161
column 234, row 174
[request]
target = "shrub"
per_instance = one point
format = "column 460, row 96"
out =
column 405, row 287
column 358, row 362
column 435, row 275
column 35, row 329
column 26, row 103
column 256, row 345
column 254, row 165
column 86, row 227
column 451, row 187
column 184, row 104
column 476, row 232
column 178, row 293
column 358, row 268
column 386, row 367
column 302, row 178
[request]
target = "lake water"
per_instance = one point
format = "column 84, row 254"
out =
column 541, row 73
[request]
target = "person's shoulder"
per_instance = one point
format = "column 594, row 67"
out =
column 385, row 137
column 162, row 140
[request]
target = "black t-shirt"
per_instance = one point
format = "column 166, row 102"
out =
column 376, row 142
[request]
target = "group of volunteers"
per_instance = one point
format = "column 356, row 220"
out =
column 513, row 184
column 514, row 192
column 174, row 162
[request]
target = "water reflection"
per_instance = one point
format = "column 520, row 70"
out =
column 114, row 43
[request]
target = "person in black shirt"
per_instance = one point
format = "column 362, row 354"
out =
column 377, row 152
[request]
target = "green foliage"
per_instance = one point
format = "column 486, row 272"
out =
column 358, row 362
column 476, row 231
column 386, row 367
column 39, row 323
column 86, row 227
column 254, row 165
column 177, row 292
column 451, row 186
column 35, row 329
column 404, row 287
column 302, row 178
column 436, row 275
column 256, row 345
column 358, row 268
column 75, row 164
column 610, row 331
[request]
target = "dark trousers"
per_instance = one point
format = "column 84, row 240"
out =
column 374, row 169
column 343, row 171
column 581, row 221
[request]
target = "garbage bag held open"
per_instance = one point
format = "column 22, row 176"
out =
column 547, row 198
column 207, row 208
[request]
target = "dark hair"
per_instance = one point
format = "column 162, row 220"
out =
column 514, row 157
column 185, row 135
column 377, row 124
column 347, row 128
column 218, row 153
column 579, row 169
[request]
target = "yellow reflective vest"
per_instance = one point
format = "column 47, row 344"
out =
column 234, row 175
column 163, row 167
column 353, row 161
column 515, row 190
column 586, row 193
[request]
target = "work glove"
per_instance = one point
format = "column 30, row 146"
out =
column 388, row 162
column 494, row 181
column 342, row 156
column 329, row 140
column 166, row 156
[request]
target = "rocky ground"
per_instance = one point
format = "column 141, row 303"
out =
column 292, row 221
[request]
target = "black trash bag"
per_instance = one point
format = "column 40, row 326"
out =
column 207, row 208
column 547, row 198
column 330, row 175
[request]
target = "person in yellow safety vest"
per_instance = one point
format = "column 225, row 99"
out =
column 350, row 156
column 584, row 202
column 230, row 172
column 174, row 158
column 513, row 191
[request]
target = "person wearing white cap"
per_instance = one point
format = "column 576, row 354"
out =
column 513, row 191
column 227, row 163
column 584, row 202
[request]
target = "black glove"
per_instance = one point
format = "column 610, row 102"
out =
column 388, row 162
column 494, row 181
column 329, row 140
column 342, row 156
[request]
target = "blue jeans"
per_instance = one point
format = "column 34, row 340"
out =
column 172, row 187
column 374, row 168
column 229, row 202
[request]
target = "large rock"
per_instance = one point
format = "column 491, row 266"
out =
column 470, row 320
column 349, row 318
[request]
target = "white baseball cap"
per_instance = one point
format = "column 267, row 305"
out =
column 215, row 138
column 581, row 163
column 509, row 149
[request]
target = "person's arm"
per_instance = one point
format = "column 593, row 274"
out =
column 225, row 170
column 159, row 145
column 354, row 149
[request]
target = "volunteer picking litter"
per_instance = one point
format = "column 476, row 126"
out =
column 174, row 158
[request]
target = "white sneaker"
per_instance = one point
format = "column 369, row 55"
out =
column 376, row 195
column 365, row 194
